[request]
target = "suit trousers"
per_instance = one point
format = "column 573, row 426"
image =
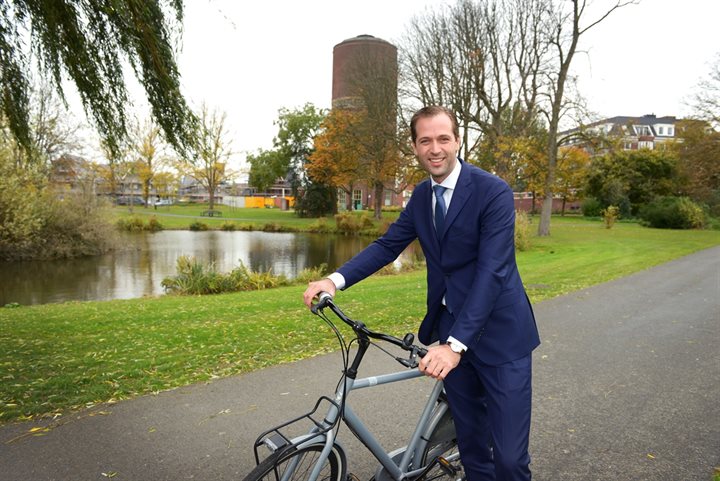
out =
column 491, row 407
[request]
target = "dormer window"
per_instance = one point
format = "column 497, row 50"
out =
column 642, row 130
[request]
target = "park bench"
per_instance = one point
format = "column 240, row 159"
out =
column 211, row 213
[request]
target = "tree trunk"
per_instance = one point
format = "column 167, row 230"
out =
column 546, row 212
column 378, row 201
column 533, row 209
column 349, row 199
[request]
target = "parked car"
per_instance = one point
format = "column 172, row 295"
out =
column 163, row 202
column 130, row 200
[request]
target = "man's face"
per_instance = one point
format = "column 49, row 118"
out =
column 436, row 146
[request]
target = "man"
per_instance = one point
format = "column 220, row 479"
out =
column 476, row 305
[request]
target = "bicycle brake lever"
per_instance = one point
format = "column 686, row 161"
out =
column 409, row 363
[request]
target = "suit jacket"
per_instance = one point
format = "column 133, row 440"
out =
column 472, row 265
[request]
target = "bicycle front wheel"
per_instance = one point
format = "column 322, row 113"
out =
column 292, row 464
column 443, row 442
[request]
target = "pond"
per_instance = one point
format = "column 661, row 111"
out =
column 139, row 269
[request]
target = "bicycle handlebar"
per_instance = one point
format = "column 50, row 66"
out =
column 325, row 299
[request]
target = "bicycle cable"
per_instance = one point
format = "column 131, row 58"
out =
column 345, row 351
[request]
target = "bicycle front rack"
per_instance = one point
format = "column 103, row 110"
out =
column 275, row 439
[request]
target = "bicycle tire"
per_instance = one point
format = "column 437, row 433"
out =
column 443, row 442
column 273, row 467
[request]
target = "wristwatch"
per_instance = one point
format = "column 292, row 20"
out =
column 456, row 348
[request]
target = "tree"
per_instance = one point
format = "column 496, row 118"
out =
column 208, row 166
column 166, row 183
column 294, row 141
column 88, row 41
column 699, row 162
column 564, row 30
column 483, row 60
column 337, row 154
column 148, row 147
column 292, row 147
column 706, row 101
column 630, row 179
column 572, row 168
column 266, row 167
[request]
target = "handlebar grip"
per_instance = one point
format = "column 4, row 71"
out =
column 323, row 299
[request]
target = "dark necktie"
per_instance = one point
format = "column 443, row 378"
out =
column 439, row 209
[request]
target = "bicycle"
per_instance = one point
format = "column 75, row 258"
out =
column 316, row 454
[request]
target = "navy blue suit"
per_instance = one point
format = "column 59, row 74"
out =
column 472, row 265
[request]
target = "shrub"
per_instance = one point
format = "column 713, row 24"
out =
column 136, row 224
column 310, row 274
column 522, row 231
column 320, row 226
column 273, row 227
column 130, row 224
column 228, row 226
column 198, row 226
column 76, row 226
column 673, row 213
column 591, row 207
column 195, row 278
column 349, row 223
column 154, row 225
column 610, row 215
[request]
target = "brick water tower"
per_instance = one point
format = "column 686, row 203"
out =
column 362, row 62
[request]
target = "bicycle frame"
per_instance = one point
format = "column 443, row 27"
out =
column 394, row 465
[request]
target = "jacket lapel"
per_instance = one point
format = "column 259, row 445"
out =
column 460, row 196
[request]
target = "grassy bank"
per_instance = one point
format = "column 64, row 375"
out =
column 181, row 216
column 59, row 357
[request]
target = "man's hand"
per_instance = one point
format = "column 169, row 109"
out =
column 439, row 361
column 316, row 287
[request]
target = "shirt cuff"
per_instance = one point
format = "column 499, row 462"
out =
column 337, row 279
column 457, row 343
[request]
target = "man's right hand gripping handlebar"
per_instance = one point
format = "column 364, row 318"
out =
column 315, row 288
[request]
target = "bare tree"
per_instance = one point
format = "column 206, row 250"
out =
column 564, row 30
column 706, row 101
column 208, row 166
column 148, row 149
column 483, row 60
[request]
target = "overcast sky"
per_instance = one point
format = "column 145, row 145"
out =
column 250, row 59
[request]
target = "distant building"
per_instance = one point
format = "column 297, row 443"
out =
column 74, row 174
column 351, row 59
column 646, row 132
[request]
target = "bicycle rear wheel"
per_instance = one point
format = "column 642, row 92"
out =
column 443, row 442
column 292, row 464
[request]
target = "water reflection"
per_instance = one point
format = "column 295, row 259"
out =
column 149, row 258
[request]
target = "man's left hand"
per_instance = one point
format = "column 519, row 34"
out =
column 439, row 361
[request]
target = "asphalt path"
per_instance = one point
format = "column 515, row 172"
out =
column 626, row 387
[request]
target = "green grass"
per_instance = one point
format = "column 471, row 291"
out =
column 181, row 216
column 60, row 357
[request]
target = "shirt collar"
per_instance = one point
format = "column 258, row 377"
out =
column 451, row 180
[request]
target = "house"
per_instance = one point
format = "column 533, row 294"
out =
column 646, row 132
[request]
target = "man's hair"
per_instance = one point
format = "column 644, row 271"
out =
column 432, row 111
